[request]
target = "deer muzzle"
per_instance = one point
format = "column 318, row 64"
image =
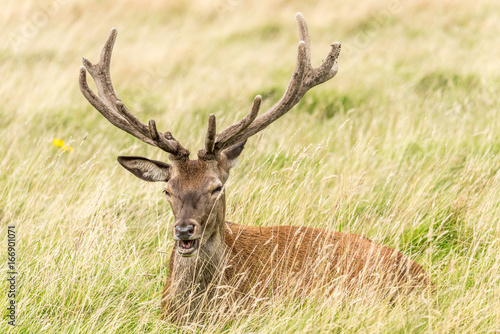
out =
column 186, row 235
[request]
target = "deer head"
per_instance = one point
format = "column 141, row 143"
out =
column 195, row 188
column 195, row 191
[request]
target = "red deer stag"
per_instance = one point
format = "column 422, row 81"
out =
column 212, row 255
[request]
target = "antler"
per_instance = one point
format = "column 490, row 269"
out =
column 113, row 109
column 304, row 78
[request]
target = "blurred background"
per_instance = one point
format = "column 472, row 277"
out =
column 401, row 146
column 178, row 61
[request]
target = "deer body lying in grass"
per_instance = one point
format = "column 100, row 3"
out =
column 213, row 259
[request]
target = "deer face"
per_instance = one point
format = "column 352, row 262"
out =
column 195, row 191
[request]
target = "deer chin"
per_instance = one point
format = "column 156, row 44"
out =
column 187, row 248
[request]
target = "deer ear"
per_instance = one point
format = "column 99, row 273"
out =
column 145, row 169
column 232, row 153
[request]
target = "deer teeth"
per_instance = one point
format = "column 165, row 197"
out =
column 186, row 245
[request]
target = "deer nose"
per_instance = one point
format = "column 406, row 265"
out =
column 184, row 232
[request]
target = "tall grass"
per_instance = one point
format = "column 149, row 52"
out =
column 402, row 146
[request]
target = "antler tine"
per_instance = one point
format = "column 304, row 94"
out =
column 304, row 34
column 106, row 110
column 100, row 71
column 110, row 106
column 211, row 132
column 211, row 151
column 239, row 126
column 304, row 78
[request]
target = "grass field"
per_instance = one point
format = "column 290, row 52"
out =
column 402, row 146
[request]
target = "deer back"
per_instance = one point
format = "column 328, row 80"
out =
column 304, row 258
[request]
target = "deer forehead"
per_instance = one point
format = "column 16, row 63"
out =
column 195, row 173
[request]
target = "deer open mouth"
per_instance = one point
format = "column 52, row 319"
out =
column 187, row 248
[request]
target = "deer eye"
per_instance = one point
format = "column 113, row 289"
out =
column 217, row 190
column 165, row 191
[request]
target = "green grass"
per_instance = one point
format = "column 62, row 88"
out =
column 402, row 146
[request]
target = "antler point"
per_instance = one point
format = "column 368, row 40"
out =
column 87, row 63
column 302, row 50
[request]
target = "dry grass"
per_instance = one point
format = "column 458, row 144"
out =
column 401, row 146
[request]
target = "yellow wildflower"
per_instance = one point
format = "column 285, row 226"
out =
column 60, row 143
